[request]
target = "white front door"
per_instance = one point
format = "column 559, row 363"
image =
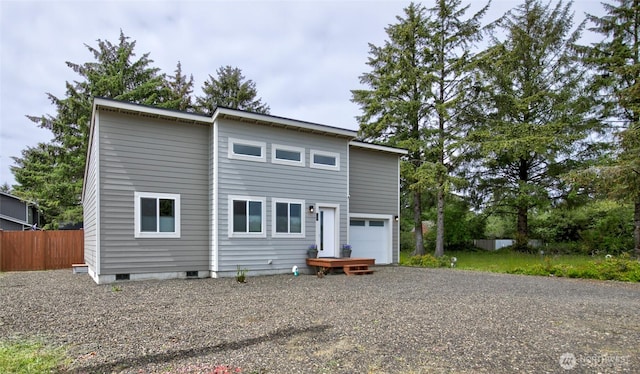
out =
column 327, row 232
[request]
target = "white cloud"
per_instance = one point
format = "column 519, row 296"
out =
column 305, row 56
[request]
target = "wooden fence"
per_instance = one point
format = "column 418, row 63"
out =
column 40, row 250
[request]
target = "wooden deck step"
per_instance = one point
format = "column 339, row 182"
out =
column 357, row 269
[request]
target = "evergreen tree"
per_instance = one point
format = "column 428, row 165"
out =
column 616, row 60
column 230, row 89
column 418, row 84
column 5, row 188
column 36, row 169
column 179, row 91
column 535, row 117
column 55, row 181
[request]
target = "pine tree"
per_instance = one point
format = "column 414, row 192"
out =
column 179, row 91
column 418, row 84
column 536, row 116
column 616, row 83
column 55, row 181
column 230, row 89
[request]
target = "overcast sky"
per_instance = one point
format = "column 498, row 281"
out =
column 304, row 56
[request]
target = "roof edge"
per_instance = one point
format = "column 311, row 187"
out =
column 377, row 147
column 286, row 122
column 99, row 102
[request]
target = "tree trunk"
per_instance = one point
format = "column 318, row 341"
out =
column 522, row 228
column 522, row 234
column 417, row 219
column 636, row 228
column 440, row 223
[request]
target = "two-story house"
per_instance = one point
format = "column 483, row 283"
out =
column 172, row 194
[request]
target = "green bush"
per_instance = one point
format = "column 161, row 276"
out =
column 598, row 228
column 621, row 268
column 407, row 241
column 429, row 261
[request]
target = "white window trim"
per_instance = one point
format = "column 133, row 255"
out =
column 262, row 233
column 323, row 166
column 275, row 234
column 239, row 156
column 137, row 196
column 275, row 160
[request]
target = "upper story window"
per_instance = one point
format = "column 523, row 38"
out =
column 247, row 150
column 156, row 215
column 325, row 160
column 287, row 155
column 288, row 218
column 246, row 216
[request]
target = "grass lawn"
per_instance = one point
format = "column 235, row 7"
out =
column 30, row 357
column 504, row 261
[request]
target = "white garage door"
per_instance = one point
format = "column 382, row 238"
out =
column 370, row 238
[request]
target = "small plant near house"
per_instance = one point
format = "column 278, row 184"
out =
column 241, row 275
column 312, row 251
column 322, row 272
column 116, row 288
column 346, row 250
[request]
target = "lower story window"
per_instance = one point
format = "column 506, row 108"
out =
column 288, row 218
column 156, row 215
column 247, row 216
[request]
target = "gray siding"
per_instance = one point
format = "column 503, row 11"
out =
column 90, row 205
column 10, row 225
column 14, row 208
column 269, row 180
column 143, row 154
column 373, row 186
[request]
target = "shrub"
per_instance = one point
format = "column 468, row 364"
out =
column 597, row 228
column 429, row 261
column 407, row 241
column 621, row 268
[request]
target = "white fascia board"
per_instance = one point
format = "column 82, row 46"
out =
column 285, row 122
column 164, row 113
column 377, row 147
column 92, row 124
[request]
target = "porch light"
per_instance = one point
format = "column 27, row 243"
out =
column 310, row 208
column 396, row 218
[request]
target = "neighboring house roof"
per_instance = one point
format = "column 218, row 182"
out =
column 9, row 218
column 18, row 198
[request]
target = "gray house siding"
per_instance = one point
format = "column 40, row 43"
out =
column 10, row 226
column 13, row 207
column 374, row 186
column 275, row 181
column 90, row 205
column 145, row 154
column 16, row 214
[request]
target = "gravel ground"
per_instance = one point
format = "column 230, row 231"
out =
column 399, row 320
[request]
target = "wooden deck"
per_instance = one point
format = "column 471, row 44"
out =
column 351, row 266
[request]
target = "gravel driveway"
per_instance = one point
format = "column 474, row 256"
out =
column 399, row 320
